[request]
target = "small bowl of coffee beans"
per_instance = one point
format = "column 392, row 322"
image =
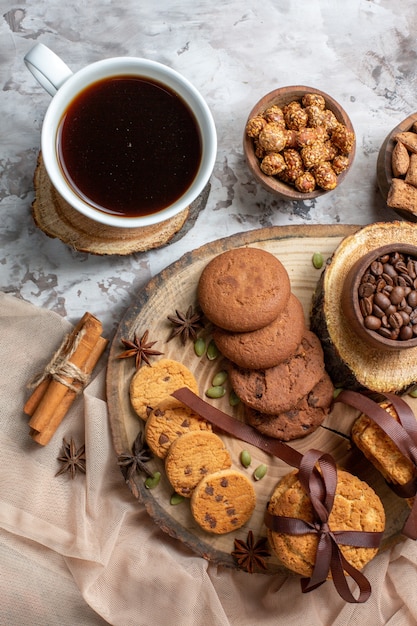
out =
column 379, row 297
column 298, row 142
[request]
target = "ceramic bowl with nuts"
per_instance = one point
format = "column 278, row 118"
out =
column 379, row 297
column 397, row 169
column 298, row 142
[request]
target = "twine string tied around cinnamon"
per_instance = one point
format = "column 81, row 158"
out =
column 61, row 369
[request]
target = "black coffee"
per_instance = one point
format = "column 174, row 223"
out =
column 129, row 146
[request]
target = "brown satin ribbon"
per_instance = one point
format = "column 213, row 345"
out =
column 320, row 486
column 402, row 433
column 239, row 430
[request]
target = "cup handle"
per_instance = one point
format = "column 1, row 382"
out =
column 48, row 68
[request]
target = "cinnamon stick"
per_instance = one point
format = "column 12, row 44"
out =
column 56, row 390
column 37, row 394
column 44, row 436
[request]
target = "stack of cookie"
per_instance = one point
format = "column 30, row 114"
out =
column 197, row 463
column 276, row 363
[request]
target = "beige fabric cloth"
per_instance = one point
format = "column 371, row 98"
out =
column 85, row 552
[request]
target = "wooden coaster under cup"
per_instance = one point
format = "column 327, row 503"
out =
column 56, row 218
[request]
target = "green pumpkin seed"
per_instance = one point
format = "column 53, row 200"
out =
column 153, row 481
column 233, row 399
column 176, row 498
column 219, row 379
column 217, row 391
column 212, row 351
column 245, row 458
column 200, row 346
column 413, row 393
column 260, row 472
column 336, row 392
column 317, row 260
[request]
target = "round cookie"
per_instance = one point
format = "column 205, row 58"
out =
column 278, row 389
column 168, row 421
column 380, row 450
column 300, row 421
column 243, row 289
column 191, row 457
column 356, row 507
column 150, row 385
column 222, row 502
column 267, row 346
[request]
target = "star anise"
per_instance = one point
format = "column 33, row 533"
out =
column 134, row 462
column 73, row 460
column 185, row 325
column 140, row 348
column 250, row 554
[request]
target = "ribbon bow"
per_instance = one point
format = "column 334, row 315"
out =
column 321, row 488
column 402, row 433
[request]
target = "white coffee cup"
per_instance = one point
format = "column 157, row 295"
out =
column 65, row 86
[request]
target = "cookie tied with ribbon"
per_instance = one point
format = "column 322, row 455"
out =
column 386, row 433
column 324, row 523
column 337, row 520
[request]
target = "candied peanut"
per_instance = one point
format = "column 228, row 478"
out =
column 343, row 138
column 259, row 151
column 306, row 137
column 296, row 119
column 306, row 183
column 291, row 136
column 339, row 163
column 331, row 121
column 272, row 164
column 294, row 164
column 331, row 150
column 255, row 125
column 313, row 155
column 325, row 176
column 313, row 99
column 316, row 116
column 272, row 138
column 274, row 114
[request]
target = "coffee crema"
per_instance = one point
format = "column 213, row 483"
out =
column 129, row 146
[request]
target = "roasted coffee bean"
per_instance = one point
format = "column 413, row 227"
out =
column 412, row 299
column 377, row 268
column 388, row 280
column 372, row 322
column 397, row 294
column 365, row 290
column 406, row 333
column 406, row 318
column 382, row 301
column 389, row 270
column 395, row 320
column 365, row 306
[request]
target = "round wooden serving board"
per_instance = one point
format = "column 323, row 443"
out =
column 175, row 288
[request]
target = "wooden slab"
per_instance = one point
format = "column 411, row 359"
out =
column 56, row 218
column 175, row 288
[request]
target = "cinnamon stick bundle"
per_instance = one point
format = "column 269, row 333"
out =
column 64, row 378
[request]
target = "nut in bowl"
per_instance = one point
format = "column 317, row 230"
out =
column 298, row 142
column 379, row 297
column 397, row 169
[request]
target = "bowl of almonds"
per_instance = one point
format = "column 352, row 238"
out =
column 379, row 297
column 298, row 142
column 397, row 169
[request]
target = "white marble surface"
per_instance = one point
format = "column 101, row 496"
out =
column 362, row 52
